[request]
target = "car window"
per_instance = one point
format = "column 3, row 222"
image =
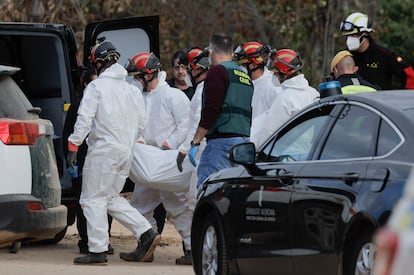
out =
column 13, row 103
column 296, row 143
column 388, row 139
column 354, row 134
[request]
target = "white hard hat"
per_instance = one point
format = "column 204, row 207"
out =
column 356, row 23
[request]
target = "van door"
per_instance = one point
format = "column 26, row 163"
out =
column 129, row 35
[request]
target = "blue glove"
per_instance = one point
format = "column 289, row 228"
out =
column 192, row 153
column 73, row 171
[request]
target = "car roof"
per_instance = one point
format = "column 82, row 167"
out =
column 8, row 70
column 392, row 100
column 397, row 99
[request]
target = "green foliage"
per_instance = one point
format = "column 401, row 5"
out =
column 307, row 26
column 395, row 27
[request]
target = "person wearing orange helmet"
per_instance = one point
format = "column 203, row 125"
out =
column 295, row 93
column 167, row 113
column 377, row 64
column 110, row 105
column 254, row 56
column 197, row 63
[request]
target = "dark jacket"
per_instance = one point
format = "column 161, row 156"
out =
column 189, row 92
column 383, row 67
column 355, row 79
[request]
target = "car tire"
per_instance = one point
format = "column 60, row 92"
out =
column 362, row 256
column 211, row 250
column 58, row 237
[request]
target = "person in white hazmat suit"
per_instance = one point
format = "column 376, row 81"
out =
column 254, row 57
column 167, row 113
column 197, row 62
column 111, row 114
column 294, row 96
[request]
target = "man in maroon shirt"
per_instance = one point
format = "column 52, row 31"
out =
column 226, row 109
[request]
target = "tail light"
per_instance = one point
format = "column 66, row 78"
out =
column 35, row 206
column 16, row 132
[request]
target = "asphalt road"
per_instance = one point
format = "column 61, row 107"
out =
column 58, row 259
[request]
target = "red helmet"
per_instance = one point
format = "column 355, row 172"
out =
column 197, row 58
column 103, row 51
column 252, row 52
column 287, row 61
column 144, row 62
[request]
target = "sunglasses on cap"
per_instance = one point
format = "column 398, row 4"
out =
column 348, row 27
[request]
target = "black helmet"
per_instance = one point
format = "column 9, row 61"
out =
column 103, row 51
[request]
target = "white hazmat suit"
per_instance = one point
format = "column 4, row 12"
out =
column 294, row 96
column 195, row 115
column 265, row 92
column 112, row 114
column 167, row 112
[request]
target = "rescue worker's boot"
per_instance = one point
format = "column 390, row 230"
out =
column 110, row 250
column 145, row 249
column 83, row 249
column 92, row 259
column 187, row 259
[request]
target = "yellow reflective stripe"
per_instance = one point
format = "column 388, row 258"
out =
column 354, row 89
column 66, row 107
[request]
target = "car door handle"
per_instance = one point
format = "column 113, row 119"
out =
column 285, row 174
column 350, row 177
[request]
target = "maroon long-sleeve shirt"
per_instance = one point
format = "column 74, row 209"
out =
column 215, row 87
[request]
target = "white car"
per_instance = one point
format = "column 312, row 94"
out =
column 30, row 192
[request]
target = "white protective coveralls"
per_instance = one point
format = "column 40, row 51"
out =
column 266, row 89
column 294, row 96
column 265, row 92
column 112, row 113
column 195, row 115
column 167, row 112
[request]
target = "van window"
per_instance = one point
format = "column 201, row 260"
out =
column 124, row 38
column 37, row 56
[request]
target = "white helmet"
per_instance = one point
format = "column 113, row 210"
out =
column 356, row 23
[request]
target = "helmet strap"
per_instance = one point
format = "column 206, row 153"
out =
column 250, row 71
column 146, row 82
column 193, row 78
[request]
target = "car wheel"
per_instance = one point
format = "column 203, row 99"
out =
column 212, row 249
column 363, row 254
column 58, row 237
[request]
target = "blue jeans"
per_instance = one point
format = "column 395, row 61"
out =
column 215, row 156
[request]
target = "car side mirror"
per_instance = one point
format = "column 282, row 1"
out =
column 243, row 153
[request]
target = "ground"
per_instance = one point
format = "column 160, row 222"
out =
column 58, row 259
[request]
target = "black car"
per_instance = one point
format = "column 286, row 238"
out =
column 311, row 198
